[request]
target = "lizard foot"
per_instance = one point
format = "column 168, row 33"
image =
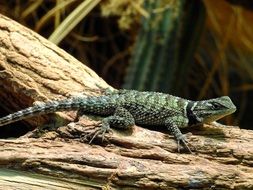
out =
column 100, row 131
column 184, row 142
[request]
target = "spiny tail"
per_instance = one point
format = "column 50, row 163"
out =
column 85, row 103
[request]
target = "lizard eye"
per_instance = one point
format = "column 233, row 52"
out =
column 216, row 105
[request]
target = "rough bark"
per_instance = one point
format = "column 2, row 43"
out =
column 33, row 69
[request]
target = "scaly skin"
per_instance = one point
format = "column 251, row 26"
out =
column 125, row 108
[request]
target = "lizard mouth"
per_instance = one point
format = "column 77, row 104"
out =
column 220, row 115
column 214, row 117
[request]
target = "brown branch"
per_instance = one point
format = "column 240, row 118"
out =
column 33, row 69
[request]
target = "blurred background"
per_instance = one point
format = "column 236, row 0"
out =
column 196, row 49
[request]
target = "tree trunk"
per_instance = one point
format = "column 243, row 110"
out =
column 33, row 69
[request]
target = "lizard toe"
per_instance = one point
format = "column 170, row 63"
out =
column 182, row 140
column 100, row 131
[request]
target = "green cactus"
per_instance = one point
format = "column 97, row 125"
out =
column 165, row 45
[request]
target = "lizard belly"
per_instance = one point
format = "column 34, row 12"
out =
column 149, row 120
column 150, row 110
column 144, row 115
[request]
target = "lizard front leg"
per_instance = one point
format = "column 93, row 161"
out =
column 121, row 118
column 173, row 126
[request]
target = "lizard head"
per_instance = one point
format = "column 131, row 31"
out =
column 207, row 111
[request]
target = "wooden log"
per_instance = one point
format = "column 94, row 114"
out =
column 33, row 69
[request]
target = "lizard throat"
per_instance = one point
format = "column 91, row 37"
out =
column 192, row 118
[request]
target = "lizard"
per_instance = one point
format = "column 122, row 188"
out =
column 124, row 108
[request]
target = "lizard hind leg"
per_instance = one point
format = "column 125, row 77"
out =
column 121, row 119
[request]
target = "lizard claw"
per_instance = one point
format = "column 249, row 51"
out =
column 183, row 140
column 102, row 130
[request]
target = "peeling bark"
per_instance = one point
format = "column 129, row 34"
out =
column 33, row 69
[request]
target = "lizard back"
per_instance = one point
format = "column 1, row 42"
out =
column 150, row 108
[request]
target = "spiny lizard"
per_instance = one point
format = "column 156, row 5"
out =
column 124, row 108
